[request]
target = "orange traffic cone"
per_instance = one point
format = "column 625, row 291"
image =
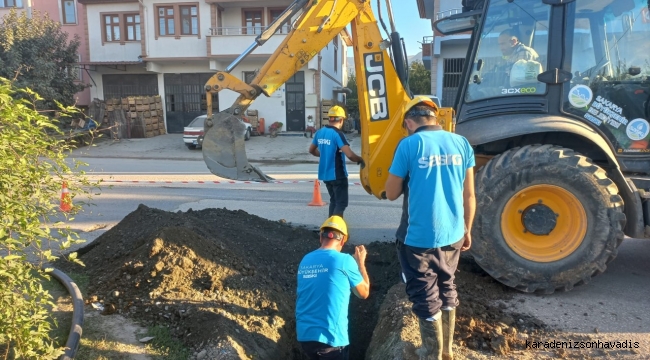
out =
column 316, row 200
column 66, row 200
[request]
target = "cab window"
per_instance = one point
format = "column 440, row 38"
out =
column 610, row 64
column 512, row 51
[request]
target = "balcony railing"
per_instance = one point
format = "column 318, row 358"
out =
column 448, row 13
column 245, row 30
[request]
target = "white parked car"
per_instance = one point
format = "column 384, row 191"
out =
column 194, row 130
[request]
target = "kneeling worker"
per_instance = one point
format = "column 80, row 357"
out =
column 325, row 278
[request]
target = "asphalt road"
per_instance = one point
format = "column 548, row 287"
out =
column 613, row 307
column 180, row 185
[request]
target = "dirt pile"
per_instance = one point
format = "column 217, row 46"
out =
column 224, row 283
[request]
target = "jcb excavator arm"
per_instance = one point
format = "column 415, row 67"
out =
column 382, row 95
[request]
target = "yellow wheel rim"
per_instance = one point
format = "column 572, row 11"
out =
column 544, row 223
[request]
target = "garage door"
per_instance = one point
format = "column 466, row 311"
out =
column 185, row 99
column 117, row 86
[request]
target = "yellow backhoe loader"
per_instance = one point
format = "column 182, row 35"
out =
column 561, row 138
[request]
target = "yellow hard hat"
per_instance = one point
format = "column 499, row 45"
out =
column 337, row 223
column 336, row 111
column 423, row 100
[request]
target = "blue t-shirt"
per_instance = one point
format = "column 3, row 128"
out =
column 331, row 166
column 325, row 279
column 436, row 162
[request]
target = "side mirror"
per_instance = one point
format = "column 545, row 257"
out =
column 458, row 23
column 634, row 70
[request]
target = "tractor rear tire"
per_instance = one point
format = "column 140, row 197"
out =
column 547, row 219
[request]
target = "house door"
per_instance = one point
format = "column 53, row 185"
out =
column 185, row 99
column 295, row 98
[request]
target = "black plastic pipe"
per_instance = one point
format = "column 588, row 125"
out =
column 74, row 336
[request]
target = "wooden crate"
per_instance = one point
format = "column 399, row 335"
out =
column 138, row 101
column 133, row 115
column 155, row 126
column 141, row 107
column 146, row 114
column 160, row 113
column 153, row 113
column 148, row 127
column 158, row 106
column 131, row 100
column 149, row 134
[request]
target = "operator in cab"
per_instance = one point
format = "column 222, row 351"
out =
column 434, row 170
column 325, row 279
column 332, row 147
column 521, row 63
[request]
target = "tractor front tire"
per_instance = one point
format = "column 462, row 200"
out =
column 547, row 219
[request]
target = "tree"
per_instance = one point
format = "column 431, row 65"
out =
column 32, row 168
column 36, row 53
column 352, row 100
column 419, row 79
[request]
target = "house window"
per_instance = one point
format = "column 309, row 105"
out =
column 274, row 14
column 189, row 20
column 68, row 12
column 249, row 76
column 121, row 27
column 112, row 28
column 253, row 23
column 166, row 21
column 132, row 22
column 11, row 3
column 178, row 19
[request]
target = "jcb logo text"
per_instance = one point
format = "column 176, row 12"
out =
column 376, row 80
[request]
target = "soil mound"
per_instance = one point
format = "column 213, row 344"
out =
column 224, row 283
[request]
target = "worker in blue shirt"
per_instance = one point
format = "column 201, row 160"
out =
column 325, row 279
column 332, row 147
column 437, row 218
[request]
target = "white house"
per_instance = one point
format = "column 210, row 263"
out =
column 171, row 48
column 446, row 53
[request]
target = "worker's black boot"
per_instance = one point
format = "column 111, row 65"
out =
column 448, row 325
column 431, row 334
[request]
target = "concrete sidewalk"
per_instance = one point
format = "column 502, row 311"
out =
column 259, row 149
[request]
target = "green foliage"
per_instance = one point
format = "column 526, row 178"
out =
column 32, row 168
column 164, row 346
column 352, row 100
column 419, row 79
column 37, row 54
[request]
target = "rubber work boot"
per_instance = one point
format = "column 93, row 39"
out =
column 448, row 325
column 431, row 334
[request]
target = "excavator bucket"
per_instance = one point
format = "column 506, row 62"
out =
column 224, row 152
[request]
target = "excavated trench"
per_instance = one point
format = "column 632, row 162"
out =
column 224, row 282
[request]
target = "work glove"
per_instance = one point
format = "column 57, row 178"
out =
column 362, row 164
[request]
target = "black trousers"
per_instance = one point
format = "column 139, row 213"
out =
column 429, row 276
column 338, row 190
column 318, row 351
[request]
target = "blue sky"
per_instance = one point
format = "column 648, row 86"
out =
column 408, row 23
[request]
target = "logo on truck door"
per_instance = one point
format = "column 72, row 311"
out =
column 376, row 80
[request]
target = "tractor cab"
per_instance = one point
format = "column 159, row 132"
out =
column 587, row 60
